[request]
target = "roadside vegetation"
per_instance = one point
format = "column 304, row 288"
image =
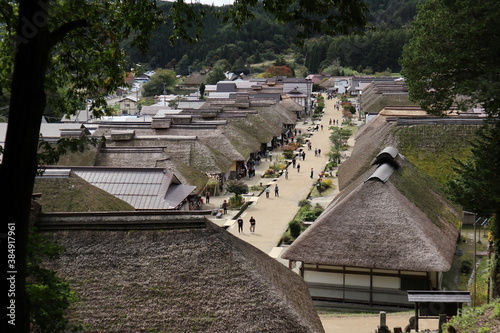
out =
column 307, row 213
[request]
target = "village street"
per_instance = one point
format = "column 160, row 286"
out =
column 273, row 214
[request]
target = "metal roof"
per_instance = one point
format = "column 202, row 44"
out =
column 144, row 189
column 439, row 296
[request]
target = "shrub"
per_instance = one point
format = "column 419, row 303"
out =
column 304, row 202
column 288, row 154
column 236, row 200
column 257, row 188
column 295, row 228
column 466, row 266
column 309, row 216
column 270, row 173
column 237, row 187
column 326, row 183
column 277, row 167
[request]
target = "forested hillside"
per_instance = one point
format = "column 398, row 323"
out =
column 262, row 39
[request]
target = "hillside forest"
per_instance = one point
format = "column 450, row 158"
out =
column 262, row 41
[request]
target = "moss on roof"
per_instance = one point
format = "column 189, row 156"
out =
column 195, row 176
column 426, row 194
column 73, row 194
column 432, row 148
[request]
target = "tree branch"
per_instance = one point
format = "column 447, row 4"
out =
column 58, row 35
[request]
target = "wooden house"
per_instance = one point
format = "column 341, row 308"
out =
column 388, row 231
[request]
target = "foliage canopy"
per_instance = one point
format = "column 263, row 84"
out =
column 452, row 58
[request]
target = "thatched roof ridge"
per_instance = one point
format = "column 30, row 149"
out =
column 291, row 105
column 378, row 225
column 198, row 280
column 370, row 140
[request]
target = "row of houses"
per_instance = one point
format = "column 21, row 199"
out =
column 391, row 229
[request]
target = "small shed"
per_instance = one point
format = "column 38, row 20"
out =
column 430, row 304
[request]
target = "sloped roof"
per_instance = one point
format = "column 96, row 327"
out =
column 399, row 224
column 291, row 105
column 200, row 279
column 144, row 189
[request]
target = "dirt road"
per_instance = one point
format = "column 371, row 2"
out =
column 366, row 323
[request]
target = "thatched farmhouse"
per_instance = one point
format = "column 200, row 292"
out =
column 216, row 139
column 151, row 272
column 390, row 230
column 379, row 94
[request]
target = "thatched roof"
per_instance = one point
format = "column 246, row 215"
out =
column 199, row 279
column 378, row 95
column 429, row 142
column 400, row 224
column 291, row 105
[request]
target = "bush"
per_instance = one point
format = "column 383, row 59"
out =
column 288, row 154
column 236, row 200
column 237, row 187
column 326, row 183
column 466, row 266
column 295, row 229
column 257, row 188
column 278, row 166
column 310, row 215
column 270, row 173
column 304, row 202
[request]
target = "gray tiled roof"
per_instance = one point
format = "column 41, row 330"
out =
column 143, row 188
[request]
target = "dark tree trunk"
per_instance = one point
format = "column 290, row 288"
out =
column 19, row 162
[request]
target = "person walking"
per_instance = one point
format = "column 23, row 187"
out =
column 252, row 224
column 267, row 190
column 294, row 161
column 319, row 151
column 303, row 156
column 240, row 225
column 207, row 197
column 298, row 167
column 224, row 206
column 276, row 191
column 312, row 173
column 286, row 173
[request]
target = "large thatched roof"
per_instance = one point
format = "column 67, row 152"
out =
column 402, row 224
column 199, row 279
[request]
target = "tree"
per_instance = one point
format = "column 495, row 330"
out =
column 278, row 71
column 183, row 65
column 215, row 75
column 202, row 90
column 477, row 186
column 456, row 64
column 49, row 295
column 161, row 81
column 238, row 188
column 452, row 59
column 77, row 43
column 46, row 45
